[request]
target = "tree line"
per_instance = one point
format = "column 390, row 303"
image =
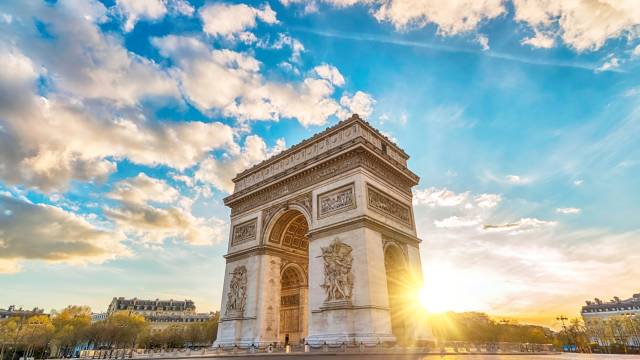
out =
column 480, row 328
column 614, row 335
column 63, row 332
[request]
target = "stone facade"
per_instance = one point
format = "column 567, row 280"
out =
column 310, row 227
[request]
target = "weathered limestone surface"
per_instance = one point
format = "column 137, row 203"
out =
column 327, row 208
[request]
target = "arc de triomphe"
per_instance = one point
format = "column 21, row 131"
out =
column 323, row 244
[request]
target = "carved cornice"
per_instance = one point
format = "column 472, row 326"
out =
column 266, row 250
column 318, row 145
column 368, row 222
column 360, row 156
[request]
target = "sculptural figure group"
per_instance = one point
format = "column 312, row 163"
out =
column 237, row 295
column 338, row 278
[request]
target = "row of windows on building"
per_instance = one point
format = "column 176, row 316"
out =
column 611, row 309
column 179, row 320
column 149, row 307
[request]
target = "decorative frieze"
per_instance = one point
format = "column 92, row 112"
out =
column 386, row 205
column 319, row 145
column 244, row 232
column 337, row 200
column 321, row 172
column 237, row 295
column 338, row 276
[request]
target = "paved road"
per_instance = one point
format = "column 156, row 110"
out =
column 436, row 357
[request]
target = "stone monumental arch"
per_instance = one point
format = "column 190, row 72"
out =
column 323, row 244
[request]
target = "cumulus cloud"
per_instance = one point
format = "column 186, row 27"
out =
column 45, row 232
column 231, row 82
column 488, row 201
column 89, row 64
column 451, row 17
column 229, row 20
column 360, row 103
column 48, row 141
column 219, row 172
column 583, row 25
column 135, row 10
column 139, row 217
column 434, row 197
column 331, row 73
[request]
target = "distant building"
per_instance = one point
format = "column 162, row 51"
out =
column 95, row 317
column 160, row 314
column 614, row 322
column 13, row 312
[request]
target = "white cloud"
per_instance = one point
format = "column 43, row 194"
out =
column 219, row 172
column 582, row 24
column 636, row 51
column 540, row 40
column 142, row 188
column 451, row 16
column 517, row 180
column 360, row 103
column 483, row 40
column 226, row 20
column 488, row 201
column 569, row 210
column 231, row 82
column 611, row 64
column 297, row 48
column 434, row 197
column 331, row 73
column 135, row 10
column 456, row 222
column 578, row 182
column 46, row 142
column 45, row 232
column 89, row 64
column 138, row 217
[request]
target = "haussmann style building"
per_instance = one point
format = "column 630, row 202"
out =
column 160, row 314
column 323, row 245
column 614, row 321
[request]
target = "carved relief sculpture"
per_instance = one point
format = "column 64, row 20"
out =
column 244, row 232
column 388, row 205
column 336, row 201
column 338, row 277
column 237, row 295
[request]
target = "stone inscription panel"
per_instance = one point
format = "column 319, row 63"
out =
column 244, row 232
column 337, row 200
column 386, row 205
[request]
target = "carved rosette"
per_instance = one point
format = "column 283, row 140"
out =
column 237, row 295
column 338, row 276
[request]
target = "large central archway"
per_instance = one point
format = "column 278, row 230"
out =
column 290, row 233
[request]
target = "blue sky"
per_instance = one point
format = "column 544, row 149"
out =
column 122, row 123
